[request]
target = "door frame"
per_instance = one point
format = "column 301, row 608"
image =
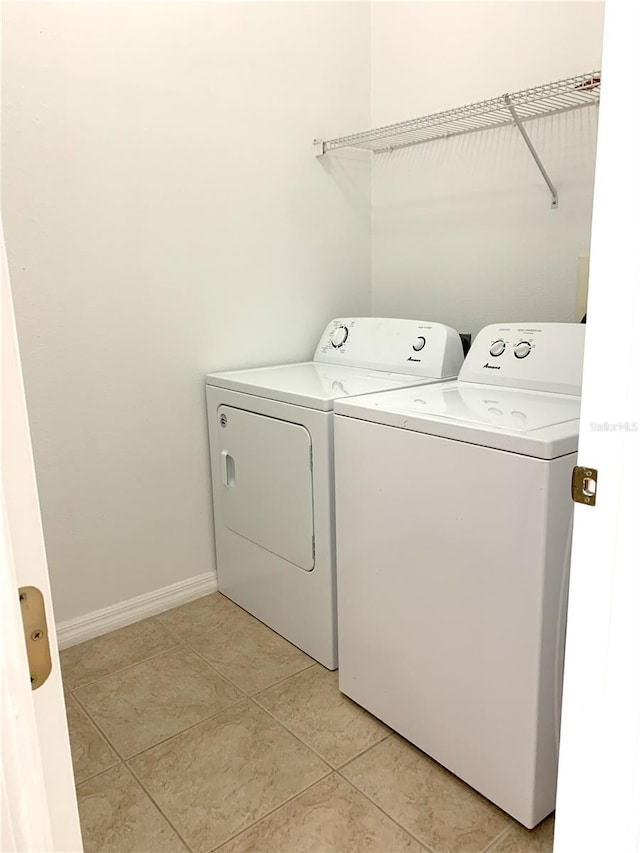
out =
column 598, row 803
column 39, row 805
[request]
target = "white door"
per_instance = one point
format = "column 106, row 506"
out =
column 39, row 808
column 598, row 805
column 267, row 487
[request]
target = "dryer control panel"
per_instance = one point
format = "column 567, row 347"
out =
column 536, row 356
column 414, row 347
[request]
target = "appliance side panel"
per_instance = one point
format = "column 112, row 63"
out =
column 440, row 567
column 554, row 620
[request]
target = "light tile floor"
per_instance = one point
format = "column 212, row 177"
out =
column 201, row 729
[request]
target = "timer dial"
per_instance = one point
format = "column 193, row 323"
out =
column 497, row 348
column 522, row 349
column 420, row 343
column 339, row 336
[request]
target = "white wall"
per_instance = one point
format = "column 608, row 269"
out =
column 463, row 231
column 165, row 217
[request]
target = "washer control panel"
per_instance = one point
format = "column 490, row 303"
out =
column 536, row 356
column 520, row 350
column 413, row 347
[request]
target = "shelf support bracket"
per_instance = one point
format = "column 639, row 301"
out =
column 533, row 152
column 318, row 147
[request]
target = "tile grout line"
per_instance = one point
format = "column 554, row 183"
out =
column 372, row 801
column 227, row 678
column 330, row 771
column 308, row 745
column 157, row 806
column 72, row 690
column 186, row 729
column 364, row 751
column 180, row 643
column 486, row 849
column 272, row 811
column 171, row 631
column 286, row 678
column 293, row 734
column 256, row 698
column 248, row 700
column 492, row 844
column 199, row 655
column 177, row 639
column 91, row 721
column 185, row 645
column 95, row 775
column 124, row 758
column 123, row 764
column 192, row 648
column 386, row 814
column 102, row 732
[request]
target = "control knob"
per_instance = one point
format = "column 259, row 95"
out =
column 497, row 348
column 522, row 349
column 420, row 343
column 339, row 336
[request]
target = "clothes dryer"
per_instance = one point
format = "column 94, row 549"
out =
column 271, row 445
column 454, row 519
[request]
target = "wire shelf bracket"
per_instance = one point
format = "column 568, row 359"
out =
column 570, row 93
column 533, row 152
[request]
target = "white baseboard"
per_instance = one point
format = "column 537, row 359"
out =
column 75, row 631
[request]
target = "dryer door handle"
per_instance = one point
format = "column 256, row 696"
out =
column 227, row 469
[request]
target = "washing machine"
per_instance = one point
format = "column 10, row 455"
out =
column 454, row 519
column 271, row 445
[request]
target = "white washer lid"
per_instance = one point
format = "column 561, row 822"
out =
column 311, row 384
column 532, row 423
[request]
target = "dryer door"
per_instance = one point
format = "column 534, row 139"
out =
column 267, row 486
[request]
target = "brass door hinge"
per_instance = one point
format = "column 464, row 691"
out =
column 584, row 484
column 36, row 635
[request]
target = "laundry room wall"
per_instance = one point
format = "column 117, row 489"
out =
column 165, row 217
column 463, row 231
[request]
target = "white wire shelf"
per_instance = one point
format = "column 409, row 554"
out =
column 571, row 93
